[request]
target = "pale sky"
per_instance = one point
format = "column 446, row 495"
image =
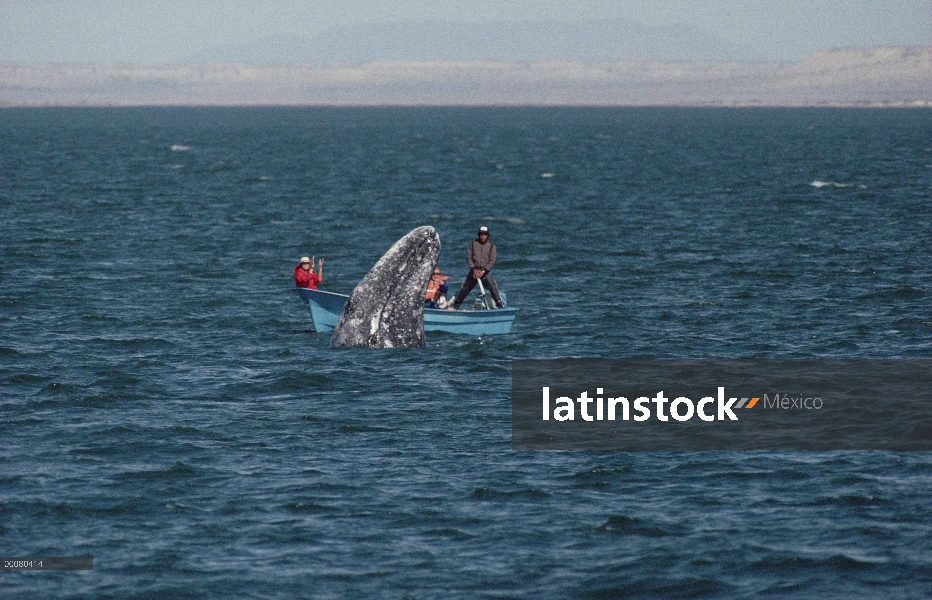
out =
column 157, row 31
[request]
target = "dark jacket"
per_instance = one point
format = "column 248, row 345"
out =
column 481, row 256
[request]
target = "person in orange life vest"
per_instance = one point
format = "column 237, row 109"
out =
column 305, row 276
column 436, row 289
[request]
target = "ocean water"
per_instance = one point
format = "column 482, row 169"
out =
column 167, row 408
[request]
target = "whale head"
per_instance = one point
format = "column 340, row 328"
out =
column 386, row 308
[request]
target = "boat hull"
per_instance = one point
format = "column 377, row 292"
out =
column 326, row 308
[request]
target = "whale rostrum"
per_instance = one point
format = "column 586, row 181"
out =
column 386, row 308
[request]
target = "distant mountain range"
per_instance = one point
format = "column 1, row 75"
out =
column 848, row 77
column 525, row 41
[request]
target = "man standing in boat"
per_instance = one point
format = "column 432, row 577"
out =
column 480, row 256
column 304, row 274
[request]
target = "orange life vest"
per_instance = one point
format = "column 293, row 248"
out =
column 433, row 288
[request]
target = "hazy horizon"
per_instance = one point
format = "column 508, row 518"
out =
column 856, row 77
column 149, row 32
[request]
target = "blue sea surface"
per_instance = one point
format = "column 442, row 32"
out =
column 167, row 408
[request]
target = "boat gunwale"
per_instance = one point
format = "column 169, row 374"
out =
column 435, row 319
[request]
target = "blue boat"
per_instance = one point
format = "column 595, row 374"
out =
column 326, row 308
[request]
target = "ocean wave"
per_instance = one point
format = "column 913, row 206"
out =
column 623, row 525
column 834, row 184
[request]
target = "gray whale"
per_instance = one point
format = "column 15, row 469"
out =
column 386, row 309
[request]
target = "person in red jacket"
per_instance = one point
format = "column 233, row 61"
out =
column 305, row 276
